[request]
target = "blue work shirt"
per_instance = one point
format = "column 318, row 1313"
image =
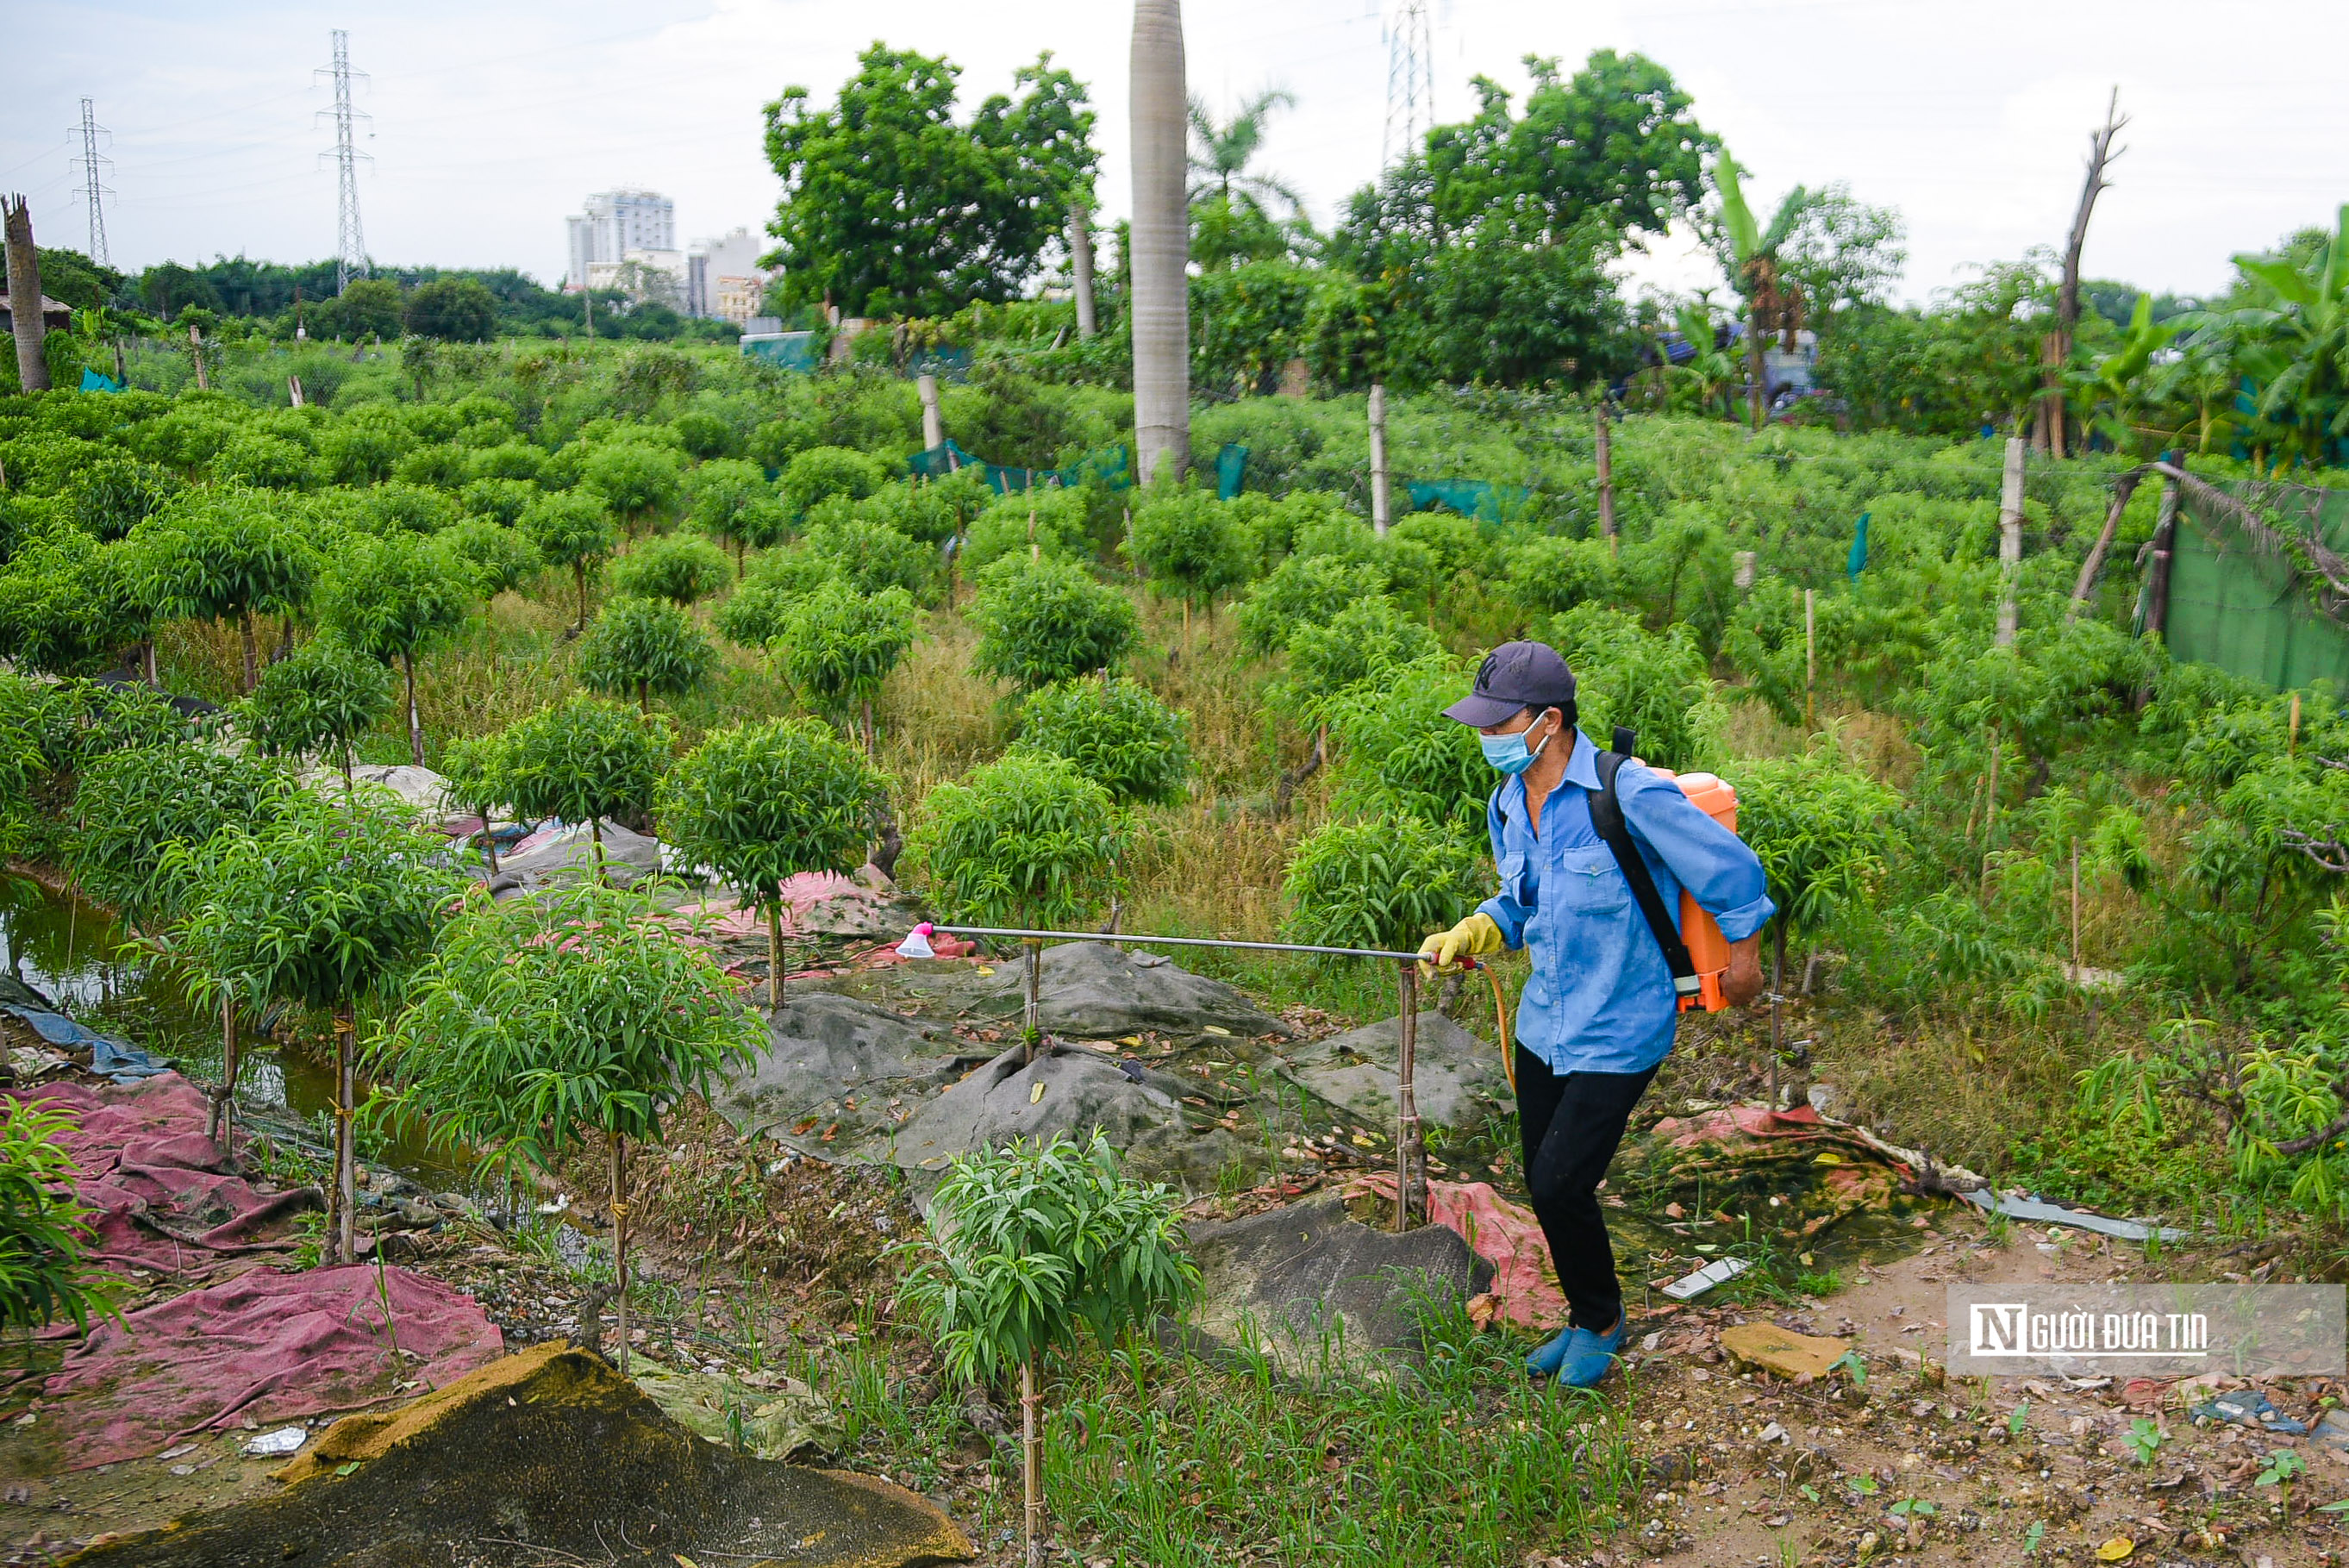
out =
column 1601, row 996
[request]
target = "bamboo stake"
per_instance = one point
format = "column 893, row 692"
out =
column 1410, row 1147
column 218, row 1128
column 1810, row 655
column 1606, row 444
column 2292, row 737
column 345, row 1154
column 775, row 956
column 1380, row 503
column 1031, row 1023
column 1031, row 1463
column 620, row 1242
column 2075, row 911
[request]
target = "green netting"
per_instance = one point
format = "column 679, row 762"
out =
column 1106, row 467
column 1231, row 470
column 1480, row 499
column 784, row 350
column 2253, row 610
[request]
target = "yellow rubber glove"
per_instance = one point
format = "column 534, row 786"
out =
column 1478, row 936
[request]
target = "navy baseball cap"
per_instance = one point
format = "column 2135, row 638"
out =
column 1514, row 677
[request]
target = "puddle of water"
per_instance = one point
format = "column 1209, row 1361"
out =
column 75, row 955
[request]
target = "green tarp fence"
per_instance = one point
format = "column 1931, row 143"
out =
column 784, row 350
column 1480, row 499
column 2261, row 602
column 1106, row 467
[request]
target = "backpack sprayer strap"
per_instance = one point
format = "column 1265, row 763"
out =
column 1607, row 821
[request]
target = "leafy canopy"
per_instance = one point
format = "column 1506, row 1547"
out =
column 839, row 644
column 677, row 568
column 585, row 761
column 132, row 806
column 1042, row 622
column 1026, row 840
column 1384, row 881
column 892, row 209
column 45, row 1234
column 644, row 645
column 1028, row 1245
column 761, row 802
column 322, row 696
column 1114, row 732
column 541, row 1018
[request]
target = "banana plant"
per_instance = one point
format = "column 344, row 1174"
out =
column 2121, row 387
column 2294, row 348
column 1774, row 303
column 1714, row 371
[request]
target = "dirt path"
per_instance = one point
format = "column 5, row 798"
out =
column 1748, row 1469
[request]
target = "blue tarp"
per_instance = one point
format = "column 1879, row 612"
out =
column 91, row 381
column 109, row 1057
column 1231, row 470
column 1857, row 560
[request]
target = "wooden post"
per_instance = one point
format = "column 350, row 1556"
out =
column 1810, row 654
column 1380, row 506
column 294, row 391
column 2075, row 911
column 934, row 428
column 2122, row 491
column 1081, row 268
column 1411, row 1148
column 2165, row 549
column 1032, row 1021
column 2292, row 735
column 347, row 1192
column 1031, row 1464
column 620, row 1244
column 196, row 353
column 775, row 956
column 2010, row 541
column 1605, row 443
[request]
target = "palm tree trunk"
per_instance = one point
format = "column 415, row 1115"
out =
column 25, row 283
column 415, row 724
column 1162, row 242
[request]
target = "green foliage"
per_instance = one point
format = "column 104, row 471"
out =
column 264, row 462
column 503, row 558
column 761, row 802
column 872, row 556
column 644, row 645
column 500, row 502
column 1625, row 674
column 1045, row 622
column 572, row 531
column 320, row 697
column 1190, row 540
column 1383, row 882
column 1548, row 573
column 1031, row 1243
column 703, row 436
column 840, row 644
column 68, row 604
column 540, row 1019
column 1361, row 644
column 391, row 597
column 113, row 494
column 758, row 613
column 584, row 761
column 45, row 1234
column 132, row 806
column 321, row 906
column 633, row 479
column 1303, row 590
column 890, row 208
column 1114, row 732
column 734, row 502
column 820, row 473
column 224, row 555
column 1397, row 754
column 676, row 567
column 1823, row 832
column 454, row 310
column 1045, row 524
column 1026, row 840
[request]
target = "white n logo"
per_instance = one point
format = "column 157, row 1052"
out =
column 1998, row 1328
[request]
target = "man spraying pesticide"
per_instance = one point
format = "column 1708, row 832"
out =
column 1595, row 850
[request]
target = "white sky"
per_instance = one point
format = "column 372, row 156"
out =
column 491, row 121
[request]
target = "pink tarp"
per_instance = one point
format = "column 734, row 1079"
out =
column 268, row 1345
column 1525, row 1282
column 166, row 1198
column 1732, row 1123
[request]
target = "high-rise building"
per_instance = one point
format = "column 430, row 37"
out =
column 616, row 223
column 723, row 278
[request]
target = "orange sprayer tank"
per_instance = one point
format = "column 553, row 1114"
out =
column 1708, row 949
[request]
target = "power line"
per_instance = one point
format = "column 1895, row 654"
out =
column 1411, row 82
column 91, row 167
column 350, row 247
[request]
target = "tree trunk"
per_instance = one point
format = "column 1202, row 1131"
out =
column 620, row 1244
column 1160, row 309
column 350, row 785
column 415, row 724
column 1081, row 269
column 579, row 572
column 1031, row 1464
column 2164, row 546
column 216, row 1128
column 25, row 283
column 775, row 956
column 251, row 645
column 2058, row 342
column 346, row 1190
column 871, row 740
column 2122, row 491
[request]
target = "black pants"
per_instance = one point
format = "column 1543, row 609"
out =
column 1572, row 1123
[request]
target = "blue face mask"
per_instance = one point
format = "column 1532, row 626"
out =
column 1509, row 754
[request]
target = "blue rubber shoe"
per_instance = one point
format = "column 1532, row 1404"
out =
column 1546, row 1361
column 1588, row 1357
